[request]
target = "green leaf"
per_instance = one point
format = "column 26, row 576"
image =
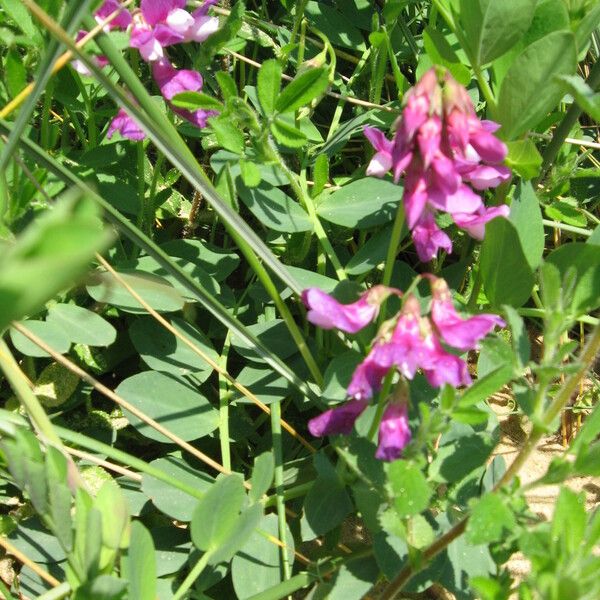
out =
column 55, row 385
column 489, row 520
column 227, row 84
column 529, row 90
column 410, row 488
column 354, row 580
column 568, row 523
column 519, row 336
column 492, row 28
column 217, row 512
column 49, row 256
column 275, row 209
column 262, row 475
column 583, row 94
column 340, row 30
column 362, row 204
column 15, row 72
column 256, row 567
column 440, row 52
column 187, row 413
column 250, row 172
column 302, row 90
column 82, row 326
column 140, row 564
column 584, row 259
column 154, row 290
column 523, row 158
column 288, row 135
column 195, row 101
column 228, row 134
column 115, row 515
column 245, row 525
column 566, row 211
column 506, row 274
column 268, row 84
column 162, row 351
column 327, row 503
column 273, row 334
column 172, row 501
column 526, row 216
column 59, row 497
column 48, row 331
column 320, row 174
column 17, row 11
column 485, row 386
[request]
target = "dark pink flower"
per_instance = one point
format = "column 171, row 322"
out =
column 429, row 238
column 394, row 432
column 121, row 21
column 474, row 223
column 445, row 367
column 463, row 334
column 126, row 126
column 337, row 421
column 381, row 162
column 166, row 22
column 172, row 82
column 445, row 152
column 326, row 312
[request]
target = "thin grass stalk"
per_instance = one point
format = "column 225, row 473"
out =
column 25, row 560
column 280, row 503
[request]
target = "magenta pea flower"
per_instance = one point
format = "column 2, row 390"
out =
column 463, row 334
column 337, row 421
column 394, row 432
column 126, row 126
column 382, row 161
column 163, row 23
column 108, row 7
column 445, row 153
column 327, row 313
column 172, row 81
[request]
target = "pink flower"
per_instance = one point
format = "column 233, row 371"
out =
column 463, row 334
column 165, row 22
column 326, row 312
column 337, row 421
column 121, row 21
column 394, row 432
column 101, row 61
column 172, row 82
column 429, row 238
column 381, row 162
column 445, row 152
column 474, row 223
column 126, row 126
column 445, row 367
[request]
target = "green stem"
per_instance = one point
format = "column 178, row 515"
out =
column 395, row 239
column 565, row 227
column 56, row 593
column 472, row 303
column 290, row 494
column 305, row 199
column 541, row 313
column 280, row 502
column 224, row 397
column 28, row 399
column 192, row 576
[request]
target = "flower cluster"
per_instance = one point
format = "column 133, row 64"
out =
column 445, row 153
column 159, row 24
column 406, row 343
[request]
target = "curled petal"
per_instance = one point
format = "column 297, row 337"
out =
column 121, row 21
column 463, row 334
column 377, row 139
column 488, row 146
column 143, row 39
column 326, row 312
column 415, row 195
column 487, row 176
column 337, row 421
column 368, row 375
column 394, row 432
column 474, row 224
column 380, row 164
column 203, row 27
column 448, row 368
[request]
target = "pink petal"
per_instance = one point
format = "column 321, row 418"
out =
column 326, row 312
column 126, row 126
column 429, row 138
column 202, row 28
column 474, row 223
column 394, row 432
column 377, row 139
column 380, row 164
column 415, row 195
column 488, row 146
column 337, row 421
column 156, row 11
column 429, row 238
column 487, row 176
column 122, row 21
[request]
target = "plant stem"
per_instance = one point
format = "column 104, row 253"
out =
column 395, row 240
column 224, row 397
column 553, row 410
column 280, row 503
column 192, row 576
column 28, row 399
